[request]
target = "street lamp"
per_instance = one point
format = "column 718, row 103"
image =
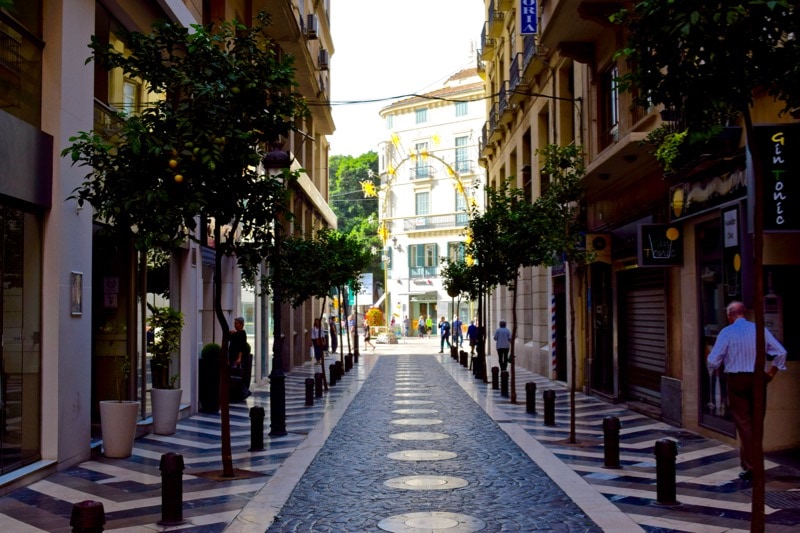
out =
column 275, row 162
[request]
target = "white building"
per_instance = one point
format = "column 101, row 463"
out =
column 429, row 178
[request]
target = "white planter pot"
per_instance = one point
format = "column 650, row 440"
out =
column 118, row 426
column 166, row 405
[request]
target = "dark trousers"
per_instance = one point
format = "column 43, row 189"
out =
column 502, row 355
column 742, row 409
column 445, row 339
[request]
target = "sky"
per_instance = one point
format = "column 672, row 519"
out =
column 389, row 48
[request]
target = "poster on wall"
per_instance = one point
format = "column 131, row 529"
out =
column 778, row 146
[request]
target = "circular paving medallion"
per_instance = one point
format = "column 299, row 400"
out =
column 416, row 421
column 415, row 411
column 422, row 455
column 426, row 483
column 419, row 435
column 431, row 522
column 413, row 402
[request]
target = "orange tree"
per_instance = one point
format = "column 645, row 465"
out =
column 224, row 98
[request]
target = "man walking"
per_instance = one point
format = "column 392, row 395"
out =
column 502, row 339
column 735, row 348
column 444, row 332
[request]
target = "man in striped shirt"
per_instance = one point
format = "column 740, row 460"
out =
column 735, row 348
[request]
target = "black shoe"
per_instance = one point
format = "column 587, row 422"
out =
column 746, row 475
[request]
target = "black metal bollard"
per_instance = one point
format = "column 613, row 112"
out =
column 495, row 378
column 171, row 489
column 504, row 383
column 666, row 451
column 87, row 516
column 611, row 426
column 318, row 384
column 530, row 397
column 256, row 429
column 464, row 359
column 309, row 392
column 348, row 363
column 549, row 407
column 339, row 370
column 333, row 374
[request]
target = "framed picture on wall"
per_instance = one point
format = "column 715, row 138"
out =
column 76, row 300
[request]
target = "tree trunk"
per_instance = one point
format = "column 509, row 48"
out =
column 513, row 356
column 757, row 519
column 573, row 356
column 224, row 373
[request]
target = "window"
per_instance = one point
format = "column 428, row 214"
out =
column 423, row 260
column 462, row 163
column 421, row 116
column 461, row 209
column 610, row 107
column 461, row 109
column 422, row 203
column 389, row 122
column 421, row 167
column 130, row 96
column 455, row 252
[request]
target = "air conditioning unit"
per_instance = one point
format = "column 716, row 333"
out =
column 599, row 245
column 311, row 26
column 323, row 59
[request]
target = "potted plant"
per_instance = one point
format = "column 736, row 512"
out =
column 166, row 324
column 118, row 417
column 208, row 392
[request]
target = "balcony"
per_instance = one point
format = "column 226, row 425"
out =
column 432, row 222
column 422, row 272
column 505, row 107
column 517, row 83
column 422, row 172
column 532, row 55
column 559, row 24
column 488, row 44
column 495, row 129
column 496, row 21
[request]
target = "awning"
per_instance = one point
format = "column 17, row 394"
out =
column 379, row 301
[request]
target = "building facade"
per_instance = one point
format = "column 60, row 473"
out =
column 430, row 179
column 69, row 308
column 670, row 250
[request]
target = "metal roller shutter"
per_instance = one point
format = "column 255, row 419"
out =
column 643, row 334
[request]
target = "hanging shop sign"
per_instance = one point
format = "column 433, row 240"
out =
column 690, row 199
column 660, row 245
column 528, row 18
column 778, row 145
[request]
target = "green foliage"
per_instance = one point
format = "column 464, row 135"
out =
column 316, row 265
column 210, row 351
column 121, row 373
column 559, row 207
column 167, row 324
column 668, row 149
column 710, row 59
column 459, row 278
column 356, row 213
column 224, row 96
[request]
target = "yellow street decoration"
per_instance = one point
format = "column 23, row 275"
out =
column 436, row 139
column 396, row 140
column 383, row 232
column 459, row 186
column 391, row 171
column 368, row 188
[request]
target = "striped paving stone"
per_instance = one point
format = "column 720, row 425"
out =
column 711, row 496
column 130, row 489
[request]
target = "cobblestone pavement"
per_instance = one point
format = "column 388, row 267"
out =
column 342, row 468
column 414, row 453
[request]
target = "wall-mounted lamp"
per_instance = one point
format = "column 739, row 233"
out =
column 394, row 241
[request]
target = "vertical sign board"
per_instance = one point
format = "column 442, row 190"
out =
column 528, row 18
column 778, row 148
column 364, row 296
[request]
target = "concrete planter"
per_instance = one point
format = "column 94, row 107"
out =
column 166, row 406
column 118, row 426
